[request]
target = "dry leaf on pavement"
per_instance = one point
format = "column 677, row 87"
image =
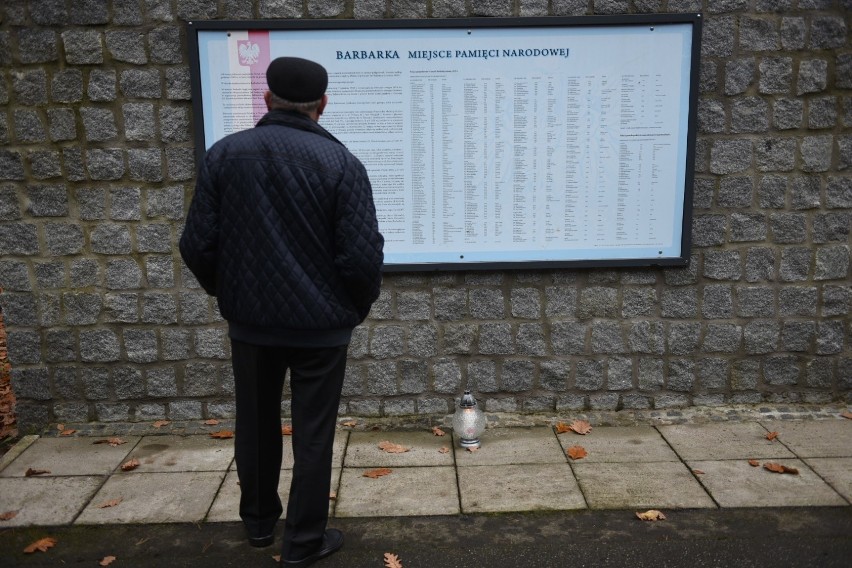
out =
column 332, row 495
column 438, row 432
column 211, row 422
column 160, row 423
column 67, row 432
column 580, row 427
column 562, row 427
column 110, row 503
column 443, row 450
column 107, row 560
column 651, row 515
column 391, row 448
column 222, row 434
column 576, row 452
column 349, row 423
column 392, row 561
column 31, row 472
column 771, row 435
column 130, row 465
column 41, row 544
column 472, row 449
column 697, row 472
column 753, row 463
column 8, row 515
column 847, row 414
column 113, row 442
column 287, row 430
column 778, row 468
column 378, row 472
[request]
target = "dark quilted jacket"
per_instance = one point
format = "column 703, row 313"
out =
column 282, row 230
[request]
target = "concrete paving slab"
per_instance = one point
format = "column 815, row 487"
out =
column 16, row 450
column 836, row 471
column 735, row 483
column 340, row 441
column 655, row 485
column 182, row 453
column 527, row 487
column 621, row 444
column 226, row 506
column 180, row 497
column 71, row 456
column 45, row 501
column 406, row 491
column 363, row 449
column 513, row 446
column 723, row 441
column 815, row 438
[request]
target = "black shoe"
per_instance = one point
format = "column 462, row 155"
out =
column 332, row 541
column 261, row 541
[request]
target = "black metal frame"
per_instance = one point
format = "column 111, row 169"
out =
column 193, row 27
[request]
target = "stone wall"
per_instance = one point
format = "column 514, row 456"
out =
column 96, row 174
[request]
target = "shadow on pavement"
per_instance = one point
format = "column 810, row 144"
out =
column 690, row 538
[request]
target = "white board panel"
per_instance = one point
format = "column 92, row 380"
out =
column 491, row 143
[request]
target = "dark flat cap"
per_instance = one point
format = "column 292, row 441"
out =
column 297, row 80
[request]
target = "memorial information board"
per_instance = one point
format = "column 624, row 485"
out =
column 492, row 146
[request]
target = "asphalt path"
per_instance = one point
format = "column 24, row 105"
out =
column 731, row 538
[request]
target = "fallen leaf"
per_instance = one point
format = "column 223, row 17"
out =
column 392, row 561
column 444, row 450
column 580, row 427
column 378, row 472
column 847, row 414
column 67, row 432
column 778, row 468
column 222, row 434
column 697, row 472
column 8, row 515
column 561, row 427
column 160, row 423
column 349, row 423
column 113, row 442
column 753, row 463
column 576, row 452
column 107, row 561
column 391, row 448
column 332, row 495
column 276, row 557
column 472, row 449
column 130, row 465
column 286, row 430
column 31, row 472
column 60, row 427
column 438, row 432
column 771, row 435
column 651, row 515
column 110, row 503
column 211, row 422
column 41, row 544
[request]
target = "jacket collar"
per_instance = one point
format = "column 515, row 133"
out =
column 295, row 119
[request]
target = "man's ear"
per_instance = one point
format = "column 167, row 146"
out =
column 321, row 107
column 267, row 98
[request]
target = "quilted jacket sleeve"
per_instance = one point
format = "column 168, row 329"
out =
column 200, row 239
column 358, row 242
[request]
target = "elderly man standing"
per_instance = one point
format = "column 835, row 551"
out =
column 282, row 230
